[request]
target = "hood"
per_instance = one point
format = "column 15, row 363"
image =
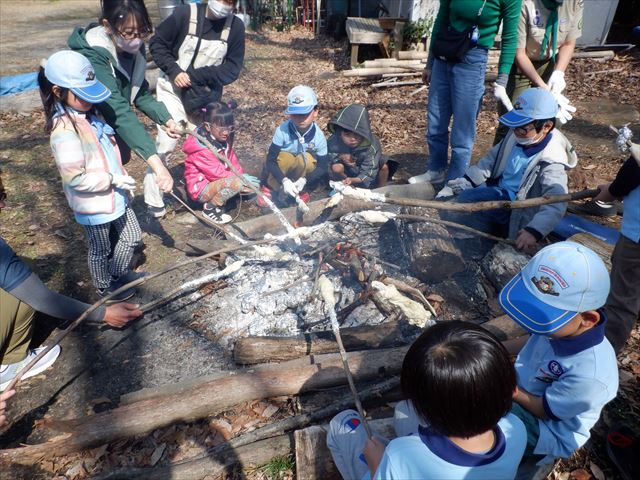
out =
column 559, row 150
column 94, row 36
column 355, row 118
column 191, row 145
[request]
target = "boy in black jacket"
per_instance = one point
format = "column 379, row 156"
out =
column 354, row 151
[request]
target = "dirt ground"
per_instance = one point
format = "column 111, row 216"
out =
column 98, row 364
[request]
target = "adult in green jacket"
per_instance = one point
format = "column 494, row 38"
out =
column 113, row 46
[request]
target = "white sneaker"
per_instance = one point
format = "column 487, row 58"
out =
column 431, row 176
column 8, row 372
column 215, row 214
column 446, row 192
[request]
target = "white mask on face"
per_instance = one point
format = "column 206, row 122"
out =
column 219, row 9
column 129, row 46
column 525, row 142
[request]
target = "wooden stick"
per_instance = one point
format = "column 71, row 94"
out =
column 418, row 90
column 326, row 290
column 396, row 84
column 403, row 287
column 58, row 338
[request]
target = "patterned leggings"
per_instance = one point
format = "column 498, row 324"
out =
column 221, row 190
column 127, row 235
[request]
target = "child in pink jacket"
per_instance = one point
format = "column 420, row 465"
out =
column 208, row 180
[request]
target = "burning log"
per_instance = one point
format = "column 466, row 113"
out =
column 209, row 398
column 432, row 254
column 254, row 349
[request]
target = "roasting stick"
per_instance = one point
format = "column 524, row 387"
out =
column 326, row 290
column 279, row 215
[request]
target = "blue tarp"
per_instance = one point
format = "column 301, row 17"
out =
column 18, row 83
column 572, row 224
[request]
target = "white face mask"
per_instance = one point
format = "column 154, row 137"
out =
column 524, row 142
column 219, row 9
column 129, row 46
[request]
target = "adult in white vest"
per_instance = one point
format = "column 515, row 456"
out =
column 199, row 48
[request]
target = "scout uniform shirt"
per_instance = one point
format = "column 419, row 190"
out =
column 533, row 21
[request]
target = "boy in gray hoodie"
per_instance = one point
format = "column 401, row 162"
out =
column 531, row 161
column 355, row 154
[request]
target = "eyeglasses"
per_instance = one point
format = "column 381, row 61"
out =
column 131, row 34
column 524, row 130
column 228, row 129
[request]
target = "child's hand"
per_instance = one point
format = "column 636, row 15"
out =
column 347, row 159
column 124, row 182
column 182, row 80
column 373, row 451
column 526, row 242
column 604, row 195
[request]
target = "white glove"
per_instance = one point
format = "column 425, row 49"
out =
column 556, row 82
column 565, row 109
column 289, row 187
column 125, row 182
column 445, row 192
column 459, row 184
column 501, row 94
column 300, row 183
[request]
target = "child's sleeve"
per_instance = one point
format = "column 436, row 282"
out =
column 272, row 156
column 368, row 165
column 627, row 179
column 553, row 181
column 69, row 156
column 386, row 469
column 572, row 395
column 320, row 152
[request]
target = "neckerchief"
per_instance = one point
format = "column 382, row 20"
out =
column 551, row 29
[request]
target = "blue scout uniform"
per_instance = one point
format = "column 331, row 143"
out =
column 576, row 377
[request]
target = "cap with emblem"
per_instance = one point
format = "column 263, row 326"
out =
column 301, row 100
column 69, row 69
column 559, row 282
column 533, row 104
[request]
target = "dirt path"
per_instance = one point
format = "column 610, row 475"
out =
column 98, row 365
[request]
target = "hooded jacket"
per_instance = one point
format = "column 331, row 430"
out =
column 546, row 174
column 201, row 166
column 95, row 44
column 368, row 155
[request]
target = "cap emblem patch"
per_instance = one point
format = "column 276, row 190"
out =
column 545, row 285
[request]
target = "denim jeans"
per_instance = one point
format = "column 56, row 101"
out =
column 456, row 90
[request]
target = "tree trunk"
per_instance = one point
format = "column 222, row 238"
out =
column 603, row 249
column 504, row 328
column 255, row 349
column 209, row 398
column 432, row 254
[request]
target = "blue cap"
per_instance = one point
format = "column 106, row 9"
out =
column 301, row 100
column 559, row 282
column 533, row 104
column 69, row 69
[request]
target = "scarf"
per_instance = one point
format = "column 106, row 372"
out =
column 551, row 29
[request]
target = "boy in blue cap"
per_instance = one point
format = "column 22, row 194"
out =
column 566, row 368
column 298, row 151
column 531, row 161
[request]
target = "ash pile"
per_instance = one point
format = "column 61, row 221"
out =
column 404, row 272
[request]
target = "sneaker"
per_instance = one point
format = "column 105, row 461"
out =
column 305, row 197
column 121, row 297
column 128, row 277
column 267, row 192
column 595, row 208
column 623, row 449
column 8, row 372
column 431, row 176
column 156, row 212
column 215, row 214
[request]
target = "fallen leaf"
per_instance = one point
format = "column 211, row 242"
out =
column 581, row 474
column 61, row 234
column 434, row 297
column 597, row 471
column 591, row 166
column 636, row 369
column 270, row 411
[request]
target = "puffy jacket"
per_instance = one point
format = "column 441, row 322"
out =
column 368, row 155
column 201, row 166
column 95, row 44
column 546, row 174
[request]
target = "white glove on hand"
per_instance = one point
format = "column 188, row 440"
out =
column 125, row 182
column 565, row 109
column 445, row 192
column 289, row 187
column 459, row 184
column 556, row 82
column 300, row 183
column 501, row 94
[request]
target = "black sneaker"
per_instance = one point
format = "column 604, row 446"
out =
column 597, row 209
column 128, row 277
column 215, row 213
column 121, row 297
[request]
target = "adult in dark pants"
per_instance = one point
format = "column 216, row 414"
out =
column 623, row 304
column 114, row 48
